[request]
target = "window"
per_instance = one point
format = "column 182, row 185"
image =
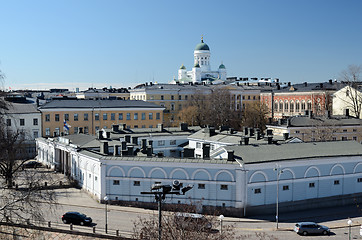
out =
column 162, row 97
column 344, row 130
column 344, row 138
column 56, row 117
column 201, row 186
column 243, row 97
column 115, row 182
column 35, row 134
column 286, row 106
column 334, row 138
column 172, row 142
column 96, row 116
column 150, row 126
column 161, row 143
column 291, row 107
column 47, row 117
column 120, row 116
column 354, row 138
column 354, row 130
column 309, row 105
column 95, row 178
column 96, row 128
column 128, row 116
column 47, row 132
column 179, row 97
column 172, row 107
column 180, row 107
column 135, row 116
column 75, row 130
column 248, row 97
column 22, row 122
column 158, row 116
column 66, row 117
column 143, row 126
column 198, row 145
column 223, row 187
column 85, row 116
column 303, row 106
column 105, row 116
column 254, row 97
column 86, row 131
column 285, row 187
column 280, row 106
column 257, row 190
column 135, row 126
column 143, row 116
column 75, row 116
column 172, row 97
column 359, row 180
column 35, row 121
column 150, row 116
column 185, row 97
column 113, row 116
column 297, row 107
column 297, row 132
column 136, row 183
column 336, row 182
column 276, row 106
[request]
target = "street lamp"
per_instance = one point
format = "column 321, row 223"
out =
column 106, row 200
column 160, row 191
column 221, row 217
column 349, row 222
column 278, row 171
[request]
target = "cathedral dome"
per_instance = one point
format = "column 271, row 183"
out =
column 222, row 66
column 202, row 46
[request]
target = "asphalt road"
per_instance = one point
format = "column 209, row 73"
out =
column 122, row 218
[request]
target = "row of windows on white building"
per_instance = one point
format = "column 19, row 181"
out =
column 128, row 116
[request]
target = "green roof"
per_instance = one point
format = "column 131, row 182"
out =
column 202, row 46
column 222, row 66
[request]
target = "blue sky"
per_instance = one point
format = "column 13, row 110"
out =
column 85, row 43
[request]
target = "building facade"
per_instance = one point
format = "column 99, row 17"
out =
column 61, row 117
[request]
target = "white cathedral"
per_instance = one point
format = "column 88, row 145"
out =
column 201, row 72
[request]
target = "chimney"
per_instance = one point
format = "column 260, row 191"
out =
column 230, row 155
column 231, row 130
column 209, row 131
column 130, row 150
column 288, row 122
column 285, row 136
column 184, row 126
column 151, row 83
column 149, row 151
column 278, row 86
column 160, row 127
column 115, row 128
column 270, row 139
column 124, row 145
column 328, row 114
column 246, row 140
column 251, row 132
column 269, row 132
column 305, row 84
column 127, row 138
column 115, row 150
column 150, row 142
column 346, row 112
column 135, row 140
column 123, row 126
column 306, row 112
column 257, row 134
column 80, row 130
column 289, row 84
column 108, row 135
column 100, row 134
column 330, row 81
column 144, row 145
column 246, row 131
column 310, row 114
column 321, row 85
column 104, row 147
column 189, row 152
column 206, row 151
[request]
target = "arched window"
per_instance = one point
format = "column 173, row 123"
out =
column 281, row 106
column 286, row 105
column 276, row 106
column 309, row 105
column 297, row 106
column 303, row 105
column 291, row 106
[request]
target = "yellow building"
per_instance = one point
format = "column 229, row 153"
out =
column 70, row 116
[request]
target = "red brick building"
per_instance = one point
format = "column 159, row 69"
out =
column 293, row 100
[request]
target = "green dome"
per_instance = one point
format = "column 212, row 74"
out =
column 222, row 66
column 197, row 65
column 202, row 46
column 182, row 67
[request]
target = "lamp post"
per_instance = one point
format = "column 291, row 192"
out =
column 278, row 171
column 349, row 222
column 160, row 191
column 221, row 217
column 106, row 200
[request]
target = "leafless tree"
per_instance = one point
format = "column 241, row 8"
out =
column 20, row 190
column 353, row 96
column 254, row 115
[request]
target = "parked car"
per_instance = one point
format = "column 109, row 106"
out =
column 305, row 228
column 32, row 164
column 192, row 222
column 76, row 218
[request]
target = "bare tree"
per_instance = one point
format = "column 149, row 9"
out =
column 254, row 115
column 20, row 190
column 353, row 95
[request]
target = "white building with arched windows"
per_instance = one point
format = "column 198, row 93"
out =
column 239, row 180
